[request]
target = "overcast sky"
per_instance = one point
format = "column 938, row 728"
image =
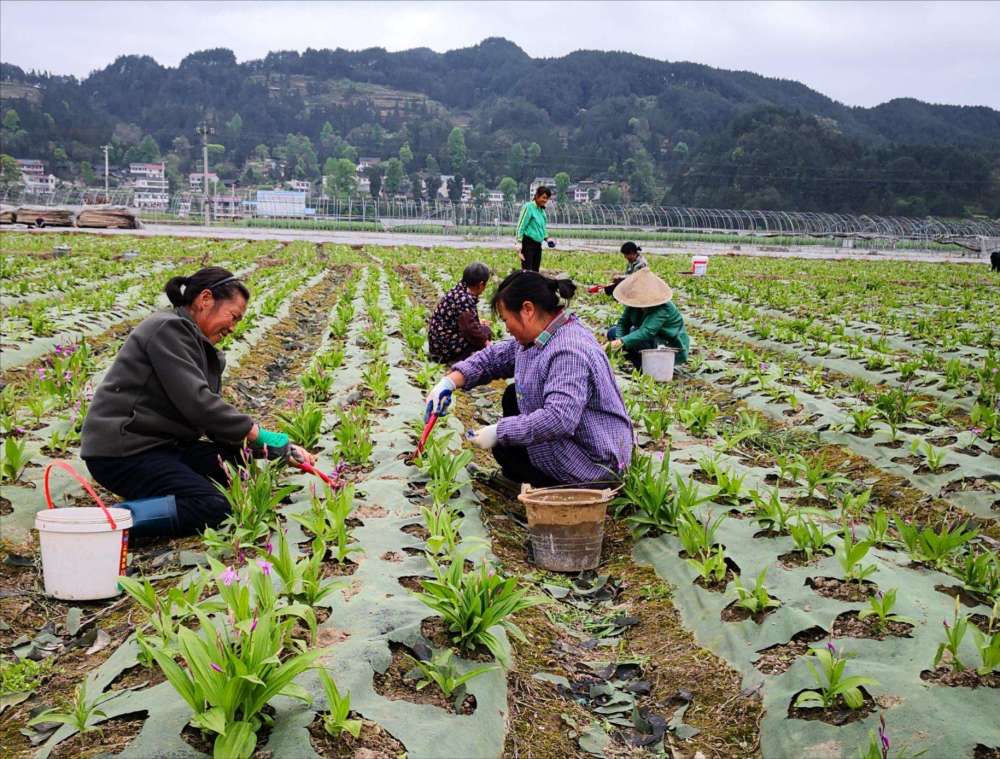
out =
column 860, row 53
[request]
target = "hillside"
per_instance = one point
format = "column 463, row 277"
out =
column 671, row 130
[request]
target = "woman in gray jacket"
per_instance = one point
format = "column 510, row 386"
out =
column 143, row 435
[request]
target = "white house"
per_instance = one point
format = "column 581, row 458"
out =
column 149, row 181
column 299, row 185
column 194, row 179
column 495, row 196
column 34, row 176
column 537, row 182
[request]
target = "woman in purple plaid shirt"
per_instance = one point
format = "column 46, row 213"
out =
column 564, row 419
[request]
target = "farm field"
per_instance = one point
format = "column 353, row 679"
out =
column 815, row 499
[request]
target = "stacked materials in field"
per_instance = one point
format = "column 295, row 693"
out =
column 45, row 217
column 107, row 217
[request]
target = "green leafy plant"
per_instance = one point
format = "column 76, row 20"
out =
column 697, row 536
column 697, row 415
column 987, row 642
column 980, row 573
column 880, row 606
column 81, row 713
column 353, row 436
column 771, row 513
column 816, row 475
column 809, row 537
column 756, row 599
column 878, row 527
column 303, row 426
column 850, row 553
column 730, row 486
column 23, row 675
column 442, row 672
column 933, row 547
column 317, row 384
column 933, row 457
column 954, row 633
column 473, row 602
column 15, row 459
column 326, row 519
column 852, row 504
column 832, row 683
column 336, row 719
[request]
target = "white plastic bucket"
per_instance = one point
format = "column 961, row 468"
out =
column 658, row 363
column 82, row 555
column 699, row 266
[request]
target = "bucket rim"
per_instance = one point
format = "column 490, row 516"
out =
column 604, row 490
column 659, row 349
column 84, row 515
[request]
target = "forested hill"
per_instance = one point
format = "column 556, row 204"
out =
column 675, row 132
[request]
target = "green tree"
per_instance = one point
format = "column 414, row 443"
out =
column 327, row 137
column 681, row 151
column 480, row 194
column 10, row 172
column 300, row 158
column 455, row 188
column 611, row 195
column 534, row 152
column 562, row 185
column 11, row 121
column 515, row 160
column 181, row 147
column 508, row 186
column 345, row 177
column 87, row 173
column 393, row 175
column 416, row 186
column 234, row 128
column 457, row 152
column 405, row 154
column 374, row 175
column 261, row 152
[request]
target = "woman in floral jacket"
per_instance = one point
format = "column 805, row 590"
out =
column 455, row 331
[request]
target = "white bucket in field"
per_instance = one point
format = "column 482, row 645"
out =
column 699, row 266
column 658, row 363
column 82, row 554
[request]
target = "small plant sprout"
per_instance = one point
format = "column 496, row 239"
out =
column 711, row 567
column 81, row 713
column 862, row 420
column 15, row 459
column 809, row 537
column 850, row 553
column 815, row 475
column 336, row 718
column 878, row 527
column 303, row 426
column 988, row 643
column 771, row 513
column 880, row 606
column 954, row 633
column 829, row 675
column 442, row 672
column 756, row 599
column 878, row 743
column 852, row 504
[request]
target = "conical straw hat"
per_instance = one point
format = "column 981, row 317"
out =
column 643, row 290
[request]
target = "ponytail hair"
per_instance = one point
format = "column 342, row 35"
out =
column 548, row 294
column 222, row 283
column 630, row 247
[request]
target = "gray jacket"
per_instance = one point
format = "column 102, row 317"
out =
column 162, row 388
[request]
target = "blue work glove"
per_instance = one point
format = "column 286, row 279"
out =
column 439, row 399
column 275, row 442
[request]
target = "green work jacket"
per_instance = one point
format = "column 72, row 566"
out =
column 643, row 328
column 531, row 222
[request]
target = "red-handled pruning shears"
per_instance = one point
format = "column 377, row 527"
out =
column 309, row 468
column 426, row 433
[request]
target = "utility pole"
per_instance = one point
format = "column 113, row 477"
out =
column 204, row 130
column 107, row 196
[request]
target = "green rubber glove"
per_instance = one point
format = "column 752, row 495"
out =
column 276, row 442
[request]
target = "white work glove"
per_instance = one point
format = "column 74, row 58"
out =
column 439, row 399
column 485, row 437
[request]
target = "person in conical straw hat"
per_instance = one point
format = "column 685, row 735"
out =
column 650, row 318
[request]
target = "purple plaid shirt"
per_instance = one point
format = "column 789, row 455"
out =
column 573, row 420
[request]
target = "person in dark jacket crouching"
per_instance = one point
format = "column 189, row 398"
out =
column 455, row 330
column 143, row 435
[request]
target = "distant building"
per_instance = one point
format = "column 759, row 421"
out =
column 195, row 179
column 281, row 203
column 443, row 189
column 537, row 182
column 227, row 206
column 34, row 176
column 495, row 196
column 149, row 182
column 299, row 185
column 586, row 191
column 365, row 161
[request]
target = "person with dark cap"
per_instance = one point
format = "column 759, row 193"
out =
column 455, row 330
column 144, row 434
column 531, row 231
column 634, row 261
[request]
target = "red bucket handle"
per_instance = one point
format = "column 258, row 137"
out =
column 65, row 466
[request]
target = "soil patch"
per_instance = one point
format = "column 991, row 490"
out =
column 412, row 583
column 393, row 685
column 337, row 569
column 850, row 625
column 967, row 678
column 842, row 590
column 734, row 613
column 416, row 530
column 779, row 658
column 137, row 677
column 373, row 742
column 436, row 631
column 967, row 597
column 116, row 733
column 797, row 558
column 838, row 714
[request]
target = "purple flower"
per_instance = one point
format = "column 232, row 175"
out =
column 216, row 667
column 883, row 737
column 978, row 431
column 946, row 625
column 831, row 648
column 265, row 566
column 41, row 372
column 269, row 547
column 253, row 624
column 229, row 576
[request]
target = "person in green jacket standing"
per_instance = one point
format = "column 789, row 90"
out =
column 650, row 319
column 531, row 232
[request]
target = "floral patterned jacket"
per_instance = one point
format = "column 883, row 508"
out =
column 455, row 331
